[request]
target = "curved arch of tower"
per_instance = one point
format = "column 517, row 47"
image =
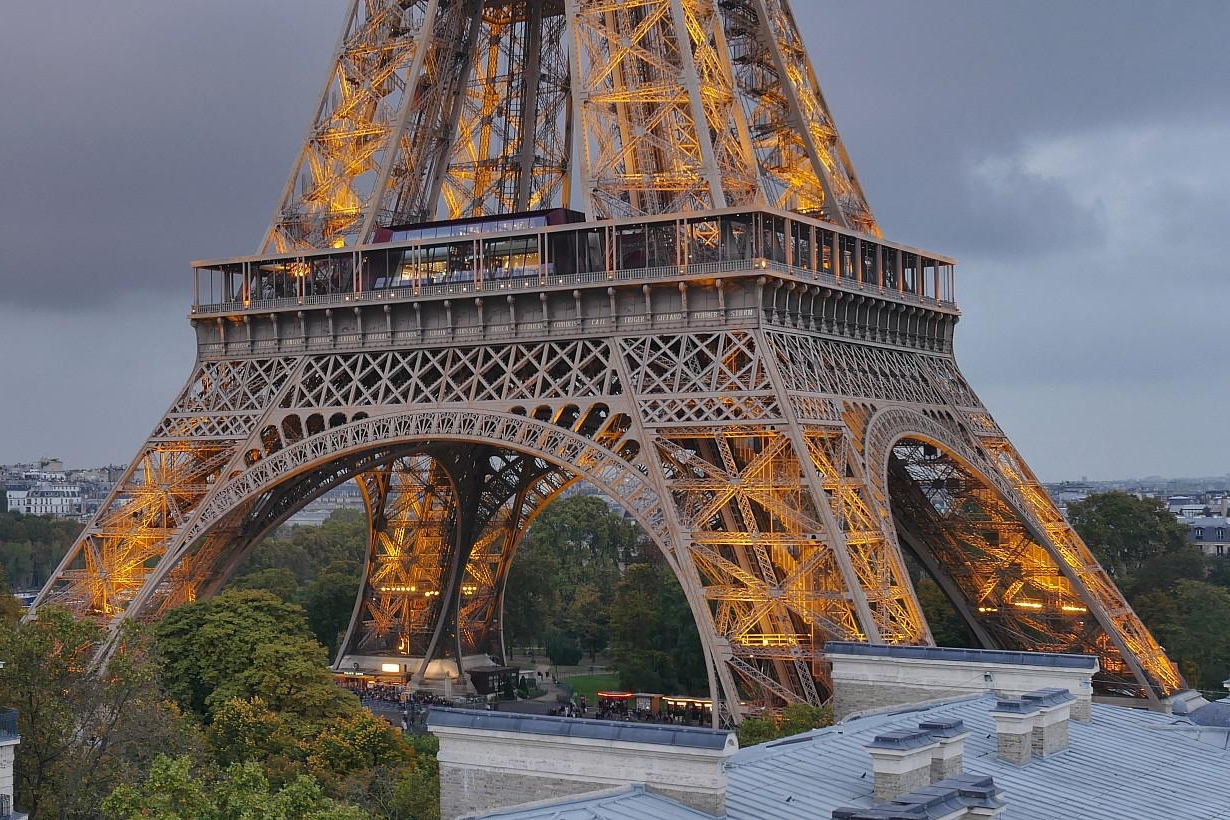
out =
column 533, row 242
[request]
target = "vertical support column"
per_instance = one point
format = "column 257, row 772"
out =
column 700, row 123
column 528, row 131
column 579, row 195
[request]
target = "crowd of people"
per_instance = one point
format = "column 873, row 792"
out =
column 409, row 709
column 624, row 710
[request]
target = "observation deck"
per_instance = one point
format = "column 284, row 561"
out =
column 550, row 273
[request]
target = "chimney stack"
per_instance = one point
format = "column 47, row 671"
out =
column 1050, row 733
column 1014, row 728
column 901, row 762
column 947, row 759
column 968, row 797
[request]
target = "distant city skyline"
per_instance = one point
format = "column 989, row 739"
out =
column 1071, row 156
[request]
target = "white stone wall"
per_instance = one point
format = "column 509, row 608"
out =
column 483, row 770
column 861, row 682
column 7, row 749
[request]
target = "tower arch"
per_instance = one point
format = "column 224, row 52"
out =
column 1013, row 579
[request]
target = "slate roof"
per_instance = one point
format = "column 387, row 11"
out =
column 629, row 803
column 1125, row 764
column 687, row 737
column 946, row 653
column 1216, row 713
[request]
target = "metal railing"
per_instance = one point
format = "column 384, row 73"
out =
column 550, row 280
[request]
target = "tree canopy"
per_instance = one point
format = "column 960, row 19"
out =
column 1192, row 620
column 1124, row 531
column 792, row 720
column 654, row 641
column 82, row 734
column 173, row 792
column 586, row 580
column 318, row 568
column 31, row 546
column 573, row 552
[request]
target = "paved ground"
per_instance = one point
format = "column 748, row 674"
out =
column 392, row 712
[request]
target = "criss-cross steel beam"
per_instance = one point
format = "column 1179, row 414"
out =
column 438, row 110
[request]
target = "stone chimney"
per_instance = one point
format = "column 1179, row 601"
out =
column 1014, row 728
column 1185, row 702
column 901, row 762
column 967, row 797
column 1050, row 733
column 947, row 757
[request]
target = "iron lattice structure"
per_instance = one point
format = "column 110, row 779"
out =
column 532, row 243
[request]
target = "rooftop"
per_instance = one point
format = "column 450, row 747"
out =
column 629, row 803
column 687, row 737
column 940, row 653
column 1125, row 763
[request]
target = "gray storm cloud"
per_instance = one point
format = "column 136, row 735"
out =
column 1069, row 154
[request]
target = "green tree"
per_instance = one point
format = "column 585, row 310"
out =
column 1161, row 572
column 360, row 742
column 247, row 663
column 802, row 717
column 532, row 597
column 278, row 580
column 411, row 792
column 562, row 648
column 10, row 610
column 654, row 641
column 249, row 730
column 82, row 734
column 329, row 602
column 31, row 546
column 290, row 675
column 1191, row 620
column 208, row 643
column 947, row 626
column 1124, row 531
column 577, row 545
column 792, row 720
column 172, row 792
column 1219, row 571
column 169, row 792
column 588, row 618
column 307, row 551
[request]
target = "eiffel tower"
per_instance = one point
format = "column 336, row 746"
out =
column 529, row 243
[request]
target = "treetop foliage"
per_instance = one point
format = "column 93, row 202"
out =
column 1124, row 531
column 172, row 792
column 586, row 581
column 31, row 546
column 1179, row 593
column 83, row 734
column 224, row 709
column 792, row 720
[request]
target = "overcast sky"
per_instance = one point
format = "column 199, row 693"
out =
column 1072, row 155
